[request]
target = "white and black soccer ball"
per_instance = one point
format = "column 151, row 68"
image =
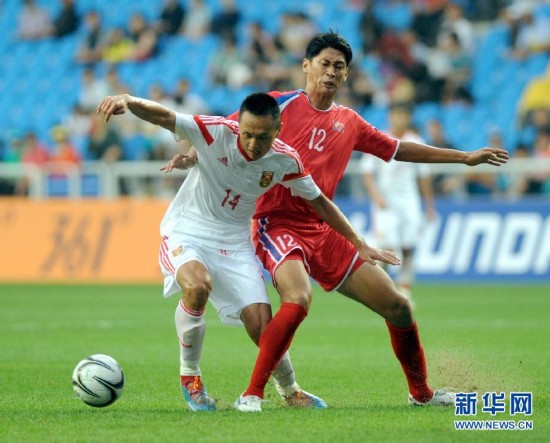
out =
column 98, row 380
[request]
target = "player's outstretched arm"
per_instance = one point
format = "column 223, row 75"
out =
column 419, row 153
column 147, row 110
column 330, row 213
column 181, row 161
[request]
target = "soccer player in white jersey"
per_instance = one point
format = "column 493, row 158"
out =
column 206, row 251
column 396, row 190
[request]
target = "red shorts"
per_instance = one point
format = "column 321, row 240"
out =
column 328, row 257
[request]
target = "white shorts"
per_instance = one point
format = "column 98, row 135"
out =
column 237, row 276
column 397, row 228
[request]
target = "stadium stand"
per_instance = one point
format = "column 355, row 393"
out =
column 41, row 80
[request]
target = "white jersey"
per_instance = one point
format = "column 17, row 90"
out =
column 216, row 201
column 397, row 181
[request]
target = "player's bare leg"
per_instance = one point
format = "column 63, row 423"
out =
column 372, row 287
column 295, row 291
column 195, row 282
column 405, row 277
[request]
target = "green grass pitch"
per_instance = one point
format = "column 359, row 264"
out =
column 482, row 338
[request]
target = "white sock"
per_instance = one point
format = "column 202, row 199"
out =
column 190, row 327
column 284, row 373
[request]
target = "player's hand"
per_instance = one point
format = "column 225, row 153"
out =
column 113, row 105
column 180, row 161
column 372, row 255
column 491, row 156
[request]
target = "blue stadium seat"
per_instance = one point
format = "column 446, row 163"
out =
column 394, row 15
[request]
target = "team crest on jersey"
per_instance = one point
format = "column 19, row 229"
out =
column 267, row 178
column 177, row 251
column 337, row 126
column 223, row 160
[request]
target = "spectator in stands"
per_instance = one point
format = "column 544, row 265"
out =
column 33, row 152
column 158, row 94
column 530, row 33
column 144, row 37
column 34, row 22
column 268, row 64
column 542, row 152
column 449, row 66
column 228, row 66
column 105, row 144
column 370, row 28
column 536, row 95
column 428, row 16
column 197, row 20
column 67, row 21
column 297, row 29
column 118, row 47
column 454, row 22
column 171, row 18
column 443, row 184
column 78, row 124
column 487, row 10
column 186, row 101
column 260, row 46
column 114, row 84
column 359, row 90
column 91, row 47
column 536, row 182
column 63, row 152
column 224, row 23
column 92, row 89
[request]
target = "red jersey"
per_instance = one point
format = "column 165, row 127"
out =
column 325, row 141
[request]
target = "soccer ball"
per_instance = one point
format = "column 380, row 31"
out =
column 98, row 380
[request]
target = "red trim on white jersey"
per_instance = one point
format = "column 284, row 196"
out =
column 295, row 176
column 217, row 121
column 282, row 148
column 207, row 137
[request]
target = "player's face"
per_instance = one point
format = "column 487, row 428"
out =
column 326, row 71
column 257, row 133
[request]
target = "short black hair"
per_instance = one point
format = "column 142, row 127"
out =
column 329, row 40
column 261, row 104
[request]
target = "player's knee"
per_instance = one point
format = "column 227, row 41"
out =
column 196, row 292
column 400, row 312
column 300, row 297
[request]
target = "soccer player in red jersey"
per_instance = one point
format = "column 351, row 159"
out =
column 293, row 243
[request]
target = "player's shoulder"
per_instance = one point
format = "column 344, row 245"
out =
column 218, row 122
column 285, row 98
column 283, row 151
column 352, row 113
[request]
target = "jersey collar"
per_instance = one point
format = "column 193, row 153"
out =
column 310, row 104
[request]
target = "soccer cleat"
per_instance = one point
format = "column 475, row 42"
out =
column 441, row 397
column 296, row 397
column 248, row 403
column 196, row 397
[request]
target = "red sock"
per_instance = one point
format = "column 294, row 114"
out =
column 409, row 352
column 274, row 342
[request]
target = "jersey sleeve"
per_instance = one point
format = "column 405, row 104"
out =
column 370, row 140
column 193, row 128
column 303, row 186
